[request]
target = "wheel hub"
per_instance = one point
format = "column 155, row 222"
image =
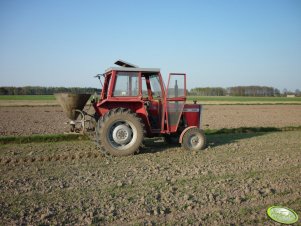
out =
column 122, row 134
column 194, row 141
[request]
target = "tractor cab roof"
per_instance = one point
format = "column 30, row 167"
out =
column 125, row 66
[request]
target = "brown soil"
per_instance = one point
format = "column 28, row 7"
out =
column 51, row 119
column 233, row 116
column 31, row 120
column 232, row 182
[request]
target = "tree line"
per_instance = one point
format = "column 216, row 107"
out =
column 208, row 91
column 199, row 91
column 39, row 90
column 241, row 91
column 253, row 91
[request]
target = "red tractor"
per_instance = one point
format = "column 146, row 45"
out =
column 134, row 103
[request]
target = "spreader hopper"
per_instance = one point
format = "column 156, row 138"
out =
column 71, row 102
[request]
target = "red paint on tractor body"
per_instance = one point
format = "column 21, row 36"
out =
column 192, row 114
column 162, row 109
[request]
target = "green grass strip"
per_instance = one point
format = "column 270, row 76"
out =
column 72, row 137
column 244, row 99
column 251, row 130
column 191, row 98
column 41, row 138
column 27, row 97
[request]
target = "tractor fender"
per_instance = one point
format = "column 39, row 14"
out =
column 184, row 131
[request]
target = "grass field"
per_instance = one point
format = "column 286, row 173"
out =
column 27, row 97
column 243, row 99
column 200, row 99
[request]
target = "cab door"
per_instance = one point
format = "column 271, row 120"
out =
column 153, row 95
column 175, row 100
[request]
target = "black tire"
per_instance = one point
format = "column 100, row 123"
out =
column 91, row 126
column 194, row 139
column 120, row 132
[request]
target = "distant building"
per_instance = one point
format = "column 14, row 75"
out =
column 290, row 95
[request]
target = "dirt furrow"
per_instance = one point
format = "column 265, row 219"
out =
column 233, row 181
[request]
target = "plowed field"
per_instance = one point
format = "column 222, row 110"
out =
column 232, row 182
column 51, row 119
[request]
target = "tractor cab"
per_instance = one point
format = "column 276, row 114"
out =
column 140, row 92
column 143, row 91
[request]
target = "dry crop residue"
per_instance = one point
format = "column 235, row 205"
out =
column 233, row 181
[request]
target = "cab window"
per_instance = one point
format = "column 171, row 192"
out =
column 155, row 86
column 126, row 84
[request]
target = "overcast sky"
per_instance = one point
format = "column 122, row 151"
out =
column 217, row 43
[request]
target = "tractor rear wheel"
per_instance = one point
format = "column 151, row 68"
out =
column 194, row 139
column 120, row 132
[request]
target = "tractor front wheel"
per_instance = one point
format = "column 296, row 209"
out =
column 194, row 139
column 120, row 132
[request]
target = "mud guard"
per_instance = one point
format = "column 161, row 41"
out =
column 184, row 131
